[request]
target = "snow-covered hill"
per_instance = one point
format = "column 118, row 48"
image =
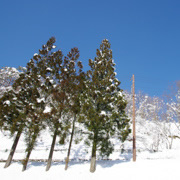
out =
column 150, row 165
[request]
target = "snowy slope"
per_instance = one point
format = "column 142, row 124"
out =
column 150, row 165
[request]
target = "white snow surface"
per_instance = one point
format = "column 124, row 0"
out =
column 47, row 109
column 7, row 102
column 163, row 165
column 103, row 113
column 149, row 170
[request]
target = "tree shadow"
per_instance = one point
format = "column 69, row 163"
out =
column 106, row 163
column 30, row 164
column 123, row 158
column 72, row 162
column 110, row 163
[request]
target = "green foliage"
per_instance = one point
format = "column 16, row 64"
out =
column 52, row 80
column 103, row 105
column 106, row 147
column 62, row 76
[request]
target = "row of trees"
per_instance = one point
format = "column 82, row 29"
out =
column 53, row 91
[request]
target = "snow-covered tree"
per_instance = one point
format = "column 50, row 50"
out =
column 18, row 105
column 76, row 78
column 150, row 127
column 60, row 80
column 34, row 105
column 29, row 94
column 12, row 116
column 8, row 75
column 171, row 114
column 39, row 81
column 103, row 105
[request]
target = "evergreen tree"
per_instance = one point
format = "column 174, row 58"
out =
column 62, row 77
column 17, row 106
column 38, row 84
column 76, row 79
column 28, row 94
column 51, row 70
column 12, row 115
column 103, row 105
column 8, row 75
column 8, row 115
column 33, row 99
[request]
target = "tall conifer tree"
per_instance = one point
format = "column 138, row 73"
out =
column 103, row 109
column 75, row 87
column 28, row 92
column 62, row 77
column 12, row 115
column 31, row 91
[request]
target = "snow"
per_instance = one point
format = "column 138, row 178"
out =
column 48, row 69
column 7, row 102
column 150, row 165
column 163, row 165
column 149, row 170
column 103, row 113
column 35, row 54
column 53, row 46
column 51, row 81
column 120, row 93
column 47, row 109
column 39, row 100
column 14, row 70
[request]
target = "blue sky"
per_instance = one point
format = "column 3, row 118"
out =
column 144, row 35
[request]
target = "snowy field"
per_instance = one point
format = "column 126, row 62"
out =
column 162, row 165
column 161, row 169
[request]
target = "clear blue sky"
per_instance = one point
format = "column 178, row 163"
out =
column 144, row 35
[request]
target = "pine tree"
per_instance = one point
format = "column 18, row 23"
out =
column 51, row 68
column 103, row 111
column 62, row 77
column 34, row 108
column 38, row 85
column 28, row 94
column 8, row 75
column 11, row 115
column 18, row 105
column 76, row 85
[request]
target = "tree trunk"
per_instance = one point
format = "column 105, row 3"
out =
column 70, row 143
column 170, row 146
column 93, row 157
column 51, row 151
column 13, row 148
column 29, row 152
column 26, row 160
column 93, row 165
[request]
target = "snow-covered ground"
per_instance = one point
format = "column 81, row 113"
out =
column 162, row 165
column 164, row 169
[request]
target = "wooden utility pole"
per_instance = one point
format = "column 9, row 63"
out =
column 134, row 130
